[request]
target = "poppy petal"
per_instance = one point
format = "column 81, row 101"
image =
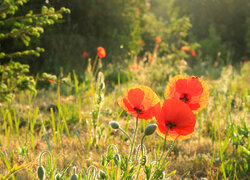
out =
column 179, row 115
column 194, row 90
column 181, row 86
column 194, row 87
column 135, row 97
column 140, row 98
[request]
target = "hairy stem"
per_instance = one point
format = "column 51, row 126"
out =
column 135, row 133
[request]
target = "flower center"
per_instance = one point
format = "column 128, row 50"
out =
column 138, row 110
column 184, row 98
column 170, row 125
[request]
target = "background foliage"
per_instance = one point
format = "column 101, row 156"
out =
column 226, row 18
column 218, row 26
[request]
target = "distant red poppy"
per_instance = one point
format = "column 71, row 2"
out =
column 245, row 62
column 185, row 48
column 136, row 68
column 142, row 100
column 178, row 117
column 189, row 89
column 52, row 81
column 192, row 53
column 101, row 52
column 158, row 40
column 85, row 54
column 150, row 58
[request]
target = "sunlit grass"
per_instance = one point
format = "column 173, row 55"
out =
column 31, row 125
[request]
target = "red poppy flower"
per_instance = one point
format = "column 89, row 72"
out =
column 85, row 54
column 192, row 53
column 150, row 58
column 52, row 81
column 178, row 117
column 158, row 40
column 245, row 62
column 101, row 52
column 185, row 48
column 136, row 68
column 142, row 100
column 189, row 89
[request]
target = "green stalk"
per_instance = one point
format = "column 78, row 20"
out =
column 164, row 147
column 169, row 151
column 17, row 122
column 53, row 123
column 96, row 58
column 80, row 141
column 41, row 155
column 97, row 68
column 142, row 155
column 125, row 134
column 7, row 132
column 133, row 142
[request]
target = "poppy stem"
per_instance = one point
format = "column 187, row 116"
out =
column 96, row 58
column 125, row 134
column 133, row 142
column 142, row 156
column 164, row 147
column 97, row 67
column 169, row 151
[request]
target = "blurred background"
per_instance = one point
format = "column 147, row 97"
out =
column 218, row 29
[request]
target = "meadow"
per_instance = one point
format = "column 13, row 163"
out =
column 61, row 118
column 124, row 90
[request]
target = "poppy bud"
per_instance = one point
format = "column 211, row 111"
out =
column 150, row 129
column 114, row 125
column 41, row 172
column 117, row 159
column 102, row 174
column 74, row 176
column 58, row 176
column 143, row 160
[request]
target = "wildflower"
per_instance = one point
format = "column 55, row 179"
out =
column 192, row 53
column 150, row 58
column 189, row 89
column 52, row 81
column 101, row 52
column 245, row 62
column 176, row 117
column 136, row 68
column 185, row 48
column 85, row 54
column 140, row 100
column 158, row 40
